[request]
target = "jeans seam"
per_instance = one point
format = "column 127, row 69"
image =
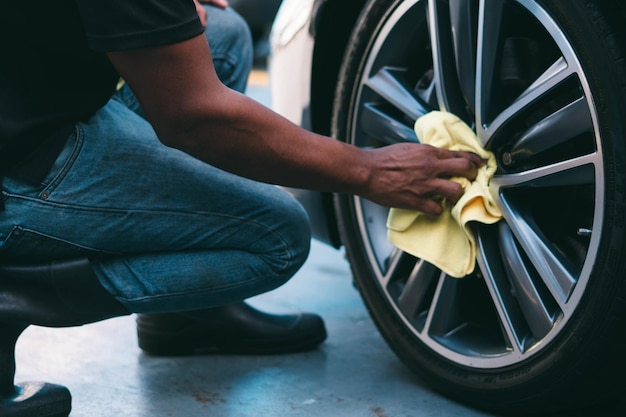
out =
column 50, row 187
column 18, row 230
column 195, row 292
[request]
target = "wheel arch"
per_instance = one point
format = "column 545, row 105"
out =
column 333, row 21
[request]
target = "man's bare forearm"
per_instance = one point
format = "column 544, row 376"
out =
column 191, row 110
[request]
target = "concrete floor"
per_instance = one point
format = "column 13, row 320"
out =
column 353, row 373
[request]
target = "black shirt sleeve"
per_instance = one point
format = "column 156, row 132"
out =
column 117, row 25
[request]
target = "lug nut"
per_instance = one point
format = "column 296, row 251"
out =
column 507, row 159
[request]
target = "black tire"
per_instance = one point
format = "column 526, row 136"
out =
column 539, row 325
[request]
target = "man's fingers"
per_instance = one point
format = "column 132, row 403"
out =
column 462, row 166
column 431, row 207
column 219, row 3
column 201, row 12
column 431, row 202
column 450, row 190
column 452, row 164
column 476, row 160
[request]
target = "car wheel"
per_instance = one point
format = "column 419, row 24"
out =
column 539, row 324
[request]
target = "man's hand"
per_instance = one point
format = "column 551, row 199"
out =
column 222, row 4
column 416, row 176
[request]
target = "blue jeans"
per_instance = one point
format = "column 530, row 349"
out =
column 164, row 231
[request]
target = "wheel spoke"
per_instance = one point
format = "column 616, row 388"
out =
column 443, row 315
column 546, row 83
column 446, row 79
column 388, row 84
column 562, row 125
column 575, row 171
column 383, row 127
column 489, row 28
column 510, row 316
column 553, row 268
column 416, row 289
column 464, row 25
column 534, row 309
column 556, row 271
column 393, row 267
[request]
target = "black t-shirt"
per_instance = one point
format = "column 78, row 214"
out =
column 54, row 71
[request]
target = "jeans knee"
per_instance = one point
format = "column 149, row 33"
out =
column 231, row 45
column 296, row 233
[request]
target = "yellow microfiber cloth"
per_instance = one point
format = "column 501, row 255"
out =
column 447, row 241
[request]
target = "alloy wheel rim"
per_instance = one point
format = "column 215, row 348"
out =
column 538, row 118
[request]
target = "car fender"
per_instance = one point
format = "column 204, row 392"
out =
column 307, row 43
